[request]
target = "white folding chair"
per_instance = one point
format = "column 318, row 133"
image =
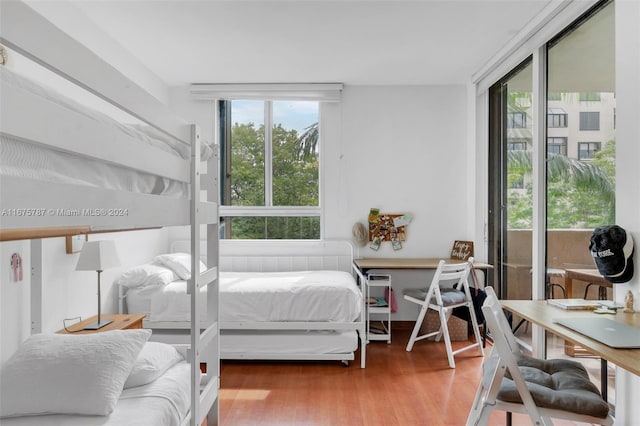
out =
column 542, row 389
column 443, row 301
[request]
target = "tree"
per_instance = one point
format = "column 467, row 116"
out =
column 308, row 141
column 579, row 193
column 295, row 182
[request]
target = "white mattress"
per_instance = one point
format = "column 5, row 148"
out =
column 259, row 296
column 23, row 159
column 27, row 160
column 165, row 401
column 297, row 342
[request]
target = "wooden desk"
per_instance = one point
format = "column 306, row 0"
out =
column 540, row 313
column 120, row 322
column 415, row 263
column 586, row 275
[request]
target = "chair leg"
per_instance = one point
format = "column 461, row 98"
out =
column 476, row 331
column 447, row 338
column 416, row 328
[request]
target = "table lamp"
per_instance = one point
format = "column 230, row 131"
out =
column 97, row 256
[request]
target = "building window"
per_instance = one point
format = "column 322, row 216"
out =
column 556, row 117
column 590, row 121
column 270, row 167
column 554, row 96
column 516, row 120
column 516, row 146
column 587, row 150
column 557, row 146
column 589, row 96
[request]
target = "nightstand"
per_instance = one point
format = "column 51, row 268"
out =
column 120, row 322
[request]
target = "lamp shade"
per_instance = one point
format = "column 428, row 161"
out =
column 98, row 256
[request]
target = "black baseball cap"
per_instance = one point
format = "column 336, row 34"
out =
column 612, row 250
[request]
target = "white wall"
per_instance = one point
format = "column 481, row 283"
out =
column 402, row 150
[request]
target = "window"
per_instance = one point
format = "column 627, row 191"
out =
column 556, row 117
column 586, row 150
column 517, row 146
column 516, row 120
column 270, row 167
column 557, row 146
column 554, row 96
column 590, row 121
column 589, row 96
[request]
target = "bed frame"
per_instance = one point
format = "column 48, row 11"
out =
column 280, row 256
column 29, row 118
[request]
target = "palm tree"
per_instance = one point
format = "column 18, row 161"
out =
column 582, row 174
column 308, row 141
column 565, row 173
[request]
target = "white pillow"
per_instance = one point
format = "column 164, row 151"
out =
column 69, row 374
column 146, row 275
column 180, row 263
column 153, row 360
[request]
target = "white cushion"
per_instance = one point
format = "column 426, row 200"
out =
column 180, row 263
column 146, row 275
column 69, row 374
column 153, row 360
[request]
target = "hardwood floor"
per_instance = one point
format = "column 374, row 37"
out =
column 396, row 388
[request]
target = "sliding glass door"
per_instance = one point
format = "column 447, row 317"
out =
column 578, row 144
column 581, row 145
column 510, row 195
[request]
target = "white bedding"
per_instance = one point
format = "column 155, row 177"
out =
column 164, row 401
column 27, row 160
column 23, row 159
column 250, row 296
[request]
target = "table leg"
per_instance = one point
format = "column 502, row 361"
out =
column 568, row 286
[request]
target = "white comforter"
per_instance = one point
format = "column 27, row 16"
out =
column 249, row 296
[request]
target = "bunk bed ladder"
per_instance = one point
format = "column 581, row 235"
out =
column 203, row 344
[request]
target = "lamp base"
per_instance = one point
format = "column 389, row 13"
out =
column 98, row 324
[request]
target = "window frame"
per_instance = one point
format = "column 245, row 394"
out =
column 268, row 210
column 552, row 141
column 592, row 151
column 586, row 118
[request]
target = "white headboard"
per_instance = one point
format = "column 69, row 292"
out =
column 277, row 255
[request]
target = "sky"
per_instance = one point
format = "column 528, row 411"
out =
column 291, row 114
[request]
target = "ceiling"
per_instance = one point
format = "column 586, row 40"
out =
column 352, row 42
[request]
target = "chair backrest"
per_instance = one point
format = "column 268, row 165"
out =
column 447, row 272
column 496, row 319
column 504, row 343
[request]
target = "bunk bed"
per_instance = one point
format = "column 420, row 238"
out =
column 280, row 300
column 97, row 175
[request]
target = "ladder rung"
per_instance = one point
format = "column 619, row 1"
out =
column 209, row 333
column 207, row 277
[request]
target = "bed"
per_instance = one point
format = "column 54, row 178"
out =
column 68, row 169
column 301, row 306
column 156, row 391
